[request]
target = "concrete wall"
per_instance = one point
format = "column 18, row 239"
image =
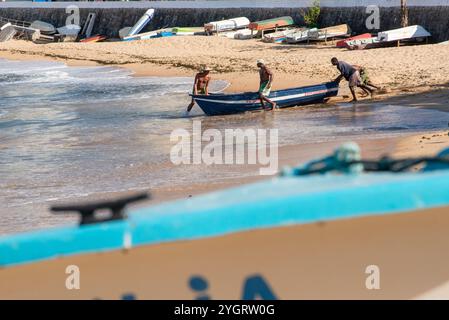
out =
column 110, row 20
column 209, row 4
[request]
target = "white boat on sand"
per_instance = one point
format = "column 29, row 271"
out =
column 299, row 36
column 407, row 33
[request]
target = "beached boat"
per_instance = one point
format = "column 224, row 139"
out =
column 245, row 34
column 89, row 25
column 188, row 31
column 226, row 25
column 96, row 38
column 407, row 33
column 390, row 38
column 143, row 21
column 150, row 35
column 271, row 23
column 7, row 33
column 221, row 104
column 71, row 30
column 43, row 27
column 329, row 33
column 278, row 36
column 344, row 43
column 365, row 43
column 301, row 235
column 299, row 36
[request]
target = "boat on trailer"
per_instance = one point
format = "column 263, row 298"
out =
column 222, row 104
column 335, row 228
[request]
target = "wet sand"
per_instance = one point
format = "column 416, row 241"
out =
column 400, row 147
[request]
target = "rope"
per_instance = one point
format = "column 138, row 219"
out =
column 346, row 159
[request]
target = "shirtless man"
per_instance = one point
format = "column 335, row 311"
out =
column 352, row 75
column 366, row 80
column 266, row 79
column 201, row 85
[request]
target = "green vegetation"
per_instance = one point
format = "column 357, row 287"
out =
column 312, row 15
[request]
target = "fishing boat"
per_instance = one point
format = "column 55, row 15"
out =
column 325, row 34
column 365, row 43
column 150, row 35
column 43, row 27
column 71, row 30
column 407, row 33
column 344, row 42
column 336, row 228
column 143, row 21
column 245, row 34
column 222, row 104
column 89, row 25
column 7, row 33
column 226, row 25
column 96, row 38
column 188, row 31
column 391, row 38
column 278, row 36
column 299, row 36
column 271, row 23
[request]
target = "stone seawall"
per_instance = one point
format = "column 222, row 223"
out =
column 110, row 20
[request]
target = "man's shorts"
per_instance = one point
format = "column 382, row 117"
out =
column 264, row 89
column 355, row 80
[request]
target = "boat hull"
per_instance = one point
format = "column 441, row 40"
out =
column 223, row 104
column 271, row 23
column 316, row 261
column 344, row 43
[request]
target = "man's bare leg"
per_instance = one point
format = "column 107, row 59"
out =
column 354, row 96
column 366, row 88
column 261, row 97
column 372, row 85
column 273, row 104
column 366, row 93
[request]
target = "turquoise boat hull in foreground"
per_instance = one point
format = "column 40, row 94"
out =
column 285, row 238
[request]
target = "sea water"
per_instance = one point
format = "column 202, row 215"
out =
column 68, row 132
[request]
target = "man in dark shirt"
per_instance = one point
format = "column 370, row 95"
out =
column 352, row 75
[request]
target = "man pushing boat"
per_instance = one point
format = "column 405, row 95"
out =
column 200, row 85
column 352, row 75
column 266, row 79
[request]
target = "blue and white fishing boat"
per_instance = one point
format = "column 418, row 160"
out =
column 336, row 228
column 222, row 104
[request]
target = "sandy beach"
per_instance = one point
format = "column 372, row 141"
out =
column 407, row 74
column 401, row 70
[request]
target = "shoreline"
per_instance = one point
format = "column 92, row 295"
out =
column 432, row 95
column 414, row 145
column 239, row 82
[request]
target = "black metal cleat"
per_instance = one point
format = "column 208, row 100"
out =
column 116, row 207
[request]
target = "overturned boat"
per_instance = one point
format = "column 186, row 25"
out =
column 328, row 33
column 222, row 104
column 271, row 24
column 412, row 34
column 336, row 228
column 226, row 25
